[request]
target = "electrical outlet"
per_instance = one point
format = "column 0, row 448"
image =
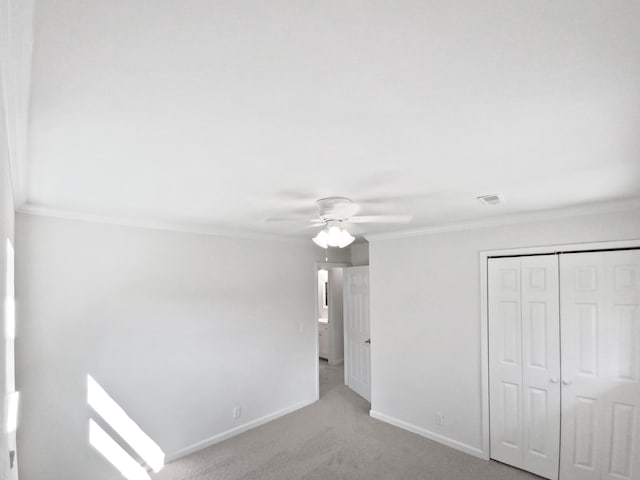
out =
column 237, row 412
column 439, row 418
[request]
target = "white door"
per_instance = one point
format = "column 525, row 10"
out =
column 600, row 365
column 524, row 363
column 357, row 338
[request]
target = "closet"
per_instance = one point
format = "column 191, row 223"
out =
column 564, row 364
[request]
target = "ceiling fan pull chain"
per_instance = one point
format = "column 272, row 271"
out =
column 326, row 254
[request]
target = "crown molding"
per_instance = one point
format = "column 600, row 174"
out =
column 210, row 229
column 542, row 215
column 157, row 224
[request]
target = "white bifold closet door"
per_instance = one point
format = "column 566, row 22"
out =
column 524, row 362
column 600, row 306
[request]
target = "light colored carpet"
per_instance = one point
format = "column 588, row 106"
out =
column 334, row 438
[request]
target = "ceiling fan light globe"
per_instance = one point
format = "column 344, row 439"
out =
column 345, row 239
column 321, row 239
column 334, row 236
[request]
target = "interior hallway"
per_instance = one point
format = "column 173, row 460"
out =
column 333, row 438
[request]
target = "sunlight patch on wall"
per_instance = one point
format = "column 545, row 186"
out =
column 10, row 318
column 13, row 400
column 123, row 425
column 116, row 455
column 10, row 310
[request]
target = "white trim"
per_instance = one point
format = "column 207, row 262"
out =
column 176, row 225
column 567, row 247
column 484, row 317
column 436, row 437
column 207, row 442
column 158, row 224
column 591, row 209
column 484, row 359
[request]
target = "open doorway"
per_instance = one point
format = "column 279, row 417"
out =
column 343, row 340
column 329, row 322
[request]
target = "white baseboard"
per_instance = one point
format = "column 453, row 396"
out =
column 207, row 442
column 436, row 437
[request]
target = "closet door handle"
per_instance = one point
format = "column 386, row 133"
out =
column 567, row 382
column 553, row 380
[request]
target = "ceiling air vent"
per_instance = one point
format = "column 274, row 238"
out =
column 494, row 199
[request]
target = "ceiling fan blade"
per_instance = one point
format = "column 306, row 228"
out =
column 381, row 219
column 291, row 218
column 303, row 214
column 355, row 230
column 316, row 224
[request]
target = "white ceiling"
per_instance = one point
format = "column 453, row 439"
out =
column 226, row 113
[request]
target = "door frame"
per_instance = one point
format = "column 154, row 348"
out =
column 484, row 256
column 319, row 266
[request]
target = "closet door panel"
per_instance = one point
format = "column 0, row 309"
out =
column 505, row 361
column 524, row 361
column 600, row 298
column 541, row 364
column 621, row 364
column 584, row 421
column 582, row 300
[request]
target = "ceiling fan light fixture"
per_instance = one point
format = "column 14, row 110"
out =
column 345, row 239
column 333, row 211
column 321, row 239
column 333, row 236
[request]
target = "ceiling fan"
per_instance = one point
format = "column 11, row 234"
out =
column 334, row 213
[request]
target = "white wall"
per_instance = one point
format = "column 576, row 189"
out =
column 16, row 40
column 360, row 254
column 7, row 442
column 333, row 255
column 178, row 328
column 425, row 318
